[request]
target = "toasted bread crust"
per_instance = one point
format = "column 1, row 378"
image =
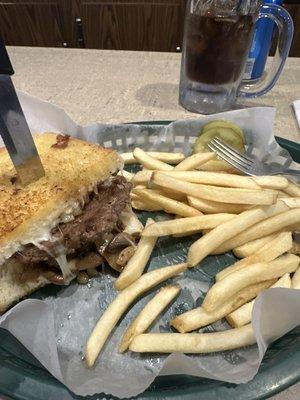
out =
column 12, row 289
column 70, row 173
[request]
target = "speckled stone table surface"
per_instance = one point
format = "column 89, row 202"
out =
column 123, row 86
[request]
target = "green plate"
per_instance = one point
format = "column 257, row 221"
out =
column 22, row 377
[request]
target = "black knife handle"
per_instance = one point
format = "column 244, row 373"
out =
column 5, row 64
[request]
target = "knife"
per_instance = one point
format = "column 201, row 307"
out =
column 14, row 129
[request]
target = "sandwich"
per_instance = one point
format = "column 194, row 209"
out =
column 70, row 220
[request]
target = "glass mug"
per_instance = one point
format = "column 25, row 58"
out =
column 217, row 39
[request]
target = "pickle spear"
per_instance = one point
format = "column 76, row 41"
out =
column 228, row 135
column 227, row 131
column 222, row 123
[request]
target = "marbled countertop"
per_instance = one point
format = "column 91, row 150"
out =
column 123, row 86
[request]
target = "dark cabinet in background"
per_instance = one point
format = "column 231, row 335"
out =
column 36, row 22
column 153, row 25
column 126, row 25
column 294, row 10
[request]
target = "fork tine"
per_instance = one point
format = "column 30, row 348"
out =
column 235, row 163
column 232, row 150
column 225, row 151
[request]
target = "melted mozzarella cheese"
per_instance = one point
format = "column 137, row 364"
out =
column 60, row 255
column 40, row 231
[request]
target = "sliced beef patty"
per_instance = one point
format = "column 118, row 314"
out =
column 98, row 218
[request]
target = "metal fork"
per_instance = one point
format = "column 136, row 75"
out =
column 250, row 165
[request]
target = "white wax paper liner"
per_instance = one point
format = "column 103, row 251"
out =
column 54, row 329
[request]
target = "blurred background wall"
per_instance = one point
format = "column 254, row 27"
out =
column 153, row 25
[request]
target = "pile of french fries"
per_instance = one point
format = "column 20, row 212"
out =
column 255, row 217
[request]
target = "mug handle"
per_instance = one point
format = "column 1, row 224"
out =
column 285, row 26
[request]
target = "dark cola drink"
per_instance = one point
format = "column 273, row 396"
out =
column 217, row 47
column 216, row 43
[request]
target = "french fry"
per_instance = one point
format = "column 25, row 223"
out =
column 233, row 228
column 127, row 175
column 282, row 194
column 295, row 248
column 253, row 246
column 120, row 304
column 128, row 158
column 133, row 196
column 198, row 317
column 292, row 202
column 219, row 166
column 171, row 194
column 224, row 195
column 194, row 161
column 167, row 193
column 136, row 265
column 294, row 227
column 142, row 177
column 243, row 315
column 168, row 205
column 133, row 225
column 138, row 187
column 222, row 290
column 214, row 178
column 185, row 234
column 296, row 279
column 271, row 225
column 184, row 225
column 271, row 250
column 213, row 207
column 149, row 314
column 138, row 204
column 196, row 343
column 271, row 182
column 149, row 162
column 292, row 189
column 170, row 158
column 229, row 180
